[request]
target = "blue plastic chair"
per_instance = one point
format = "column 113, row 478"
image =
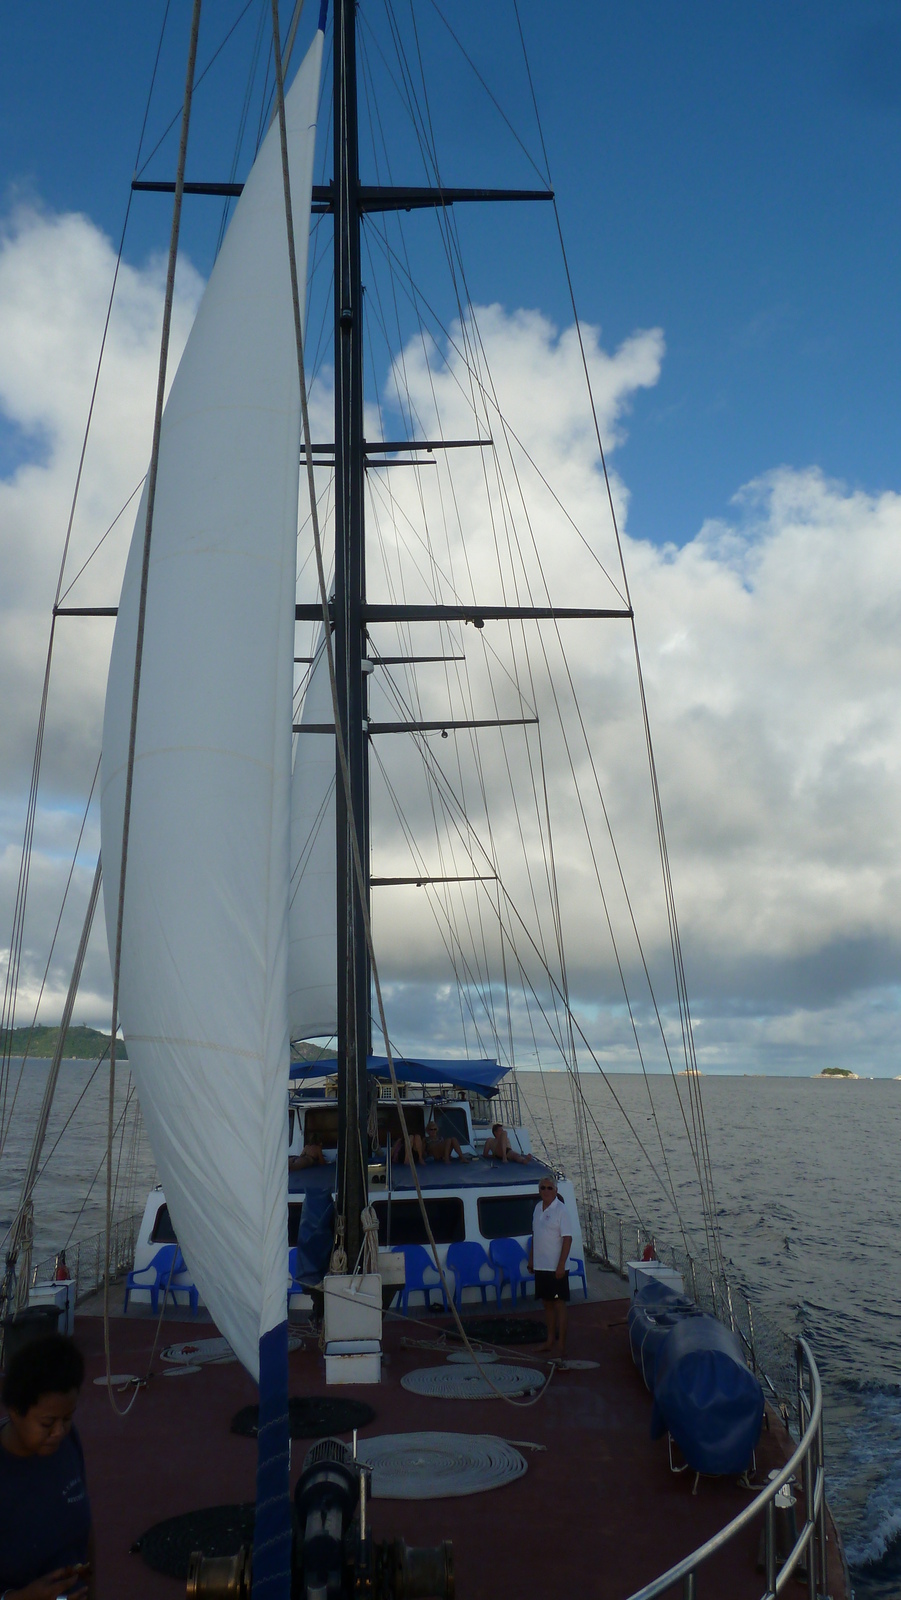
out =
column 576, row 1269
column 417, row 1262
column 467, row 1261
column 165, row 1266
column 296, row 1286
column 511, row 1262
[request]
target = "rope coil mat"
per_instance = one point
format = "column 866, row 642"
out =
column 435, row 1466
column 468, row 1382
column 310, row 1417
column 505, row 1330
column 203, row 1352
column 216, row 1530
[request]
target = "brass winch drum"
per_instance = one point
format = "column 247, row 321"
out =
column 220, row 1577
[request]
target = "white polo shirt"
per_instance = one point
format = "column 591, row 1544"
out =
column 550, row 1226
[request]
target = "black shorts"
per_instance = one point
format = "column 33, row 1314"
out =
column 549, row 1287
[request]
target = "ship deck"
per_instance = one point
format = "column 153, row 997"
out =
column 452, row 1175
column 597, row 1513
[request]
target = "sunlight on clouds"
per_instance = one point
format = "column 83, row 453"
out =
column 55, row 278
column 770, row 646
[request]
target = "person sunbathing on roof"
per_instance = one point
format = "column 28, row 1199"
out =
column 438, row 1149
column 310, row 1156
column 500, row 1147
column 399, row 1154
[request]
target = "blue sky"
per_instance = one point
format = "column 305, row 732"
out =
column 729, row 173
column 727, row 180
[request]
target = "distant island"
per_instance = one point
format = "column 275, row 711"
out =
column 82, row 1043
column 836, row 1072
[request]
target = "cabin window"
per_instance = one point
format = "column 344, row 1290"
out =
column 452, row 1123
column 407, row 1226
column 506, row 1216
column 389, row 1121
column 321, row 1123
column 162, row 1231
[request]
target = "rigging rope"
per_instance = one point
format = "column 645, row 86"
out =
column 358, row 871
column 139, row 645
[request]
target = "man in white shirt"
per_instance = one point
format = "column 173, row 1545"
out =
column 552, row 1236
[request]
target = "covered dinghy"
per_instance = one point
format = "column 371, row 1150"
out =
column 706, row 1397
column 654, row 1311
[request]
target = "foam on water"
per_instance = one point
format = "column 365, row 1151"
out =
column 864, row 1477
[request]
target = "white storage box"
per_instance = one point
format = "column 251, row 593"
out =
column 642, row 1273
column 60, row 1293
column 353, row 1306
column 353, row 1361
column 393, row 1267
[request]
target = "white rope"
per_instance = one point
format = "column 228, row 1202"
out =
column 338, row 1262
column 370, row 1220
column 433, row 1466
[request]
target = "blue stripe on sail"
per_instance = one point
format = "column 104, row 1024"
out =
column 272, row 1533
column 323, row 13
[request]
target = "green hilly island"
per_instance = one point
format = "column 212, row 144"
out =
column 82, row 1043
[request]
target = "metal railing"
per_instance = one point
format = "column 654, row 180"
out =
column 810, row 1544
column 613, row 1241
column 86, row 1260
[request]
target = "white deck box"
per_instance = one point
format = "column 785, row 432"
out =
column 642, row 1273
column 393, row 1267
column 59, row 1293
column 353, row 1306
column 353, row 1361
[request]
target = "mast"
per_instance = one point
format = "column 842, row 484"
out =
column 350, row 597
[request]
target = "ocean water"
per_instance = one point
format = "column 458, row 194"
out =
column 808, row 1189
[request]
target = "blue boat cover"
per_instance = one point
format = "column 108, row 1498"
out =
column 482, row 1076
column 706, row 1396
column 315, row 1236
column 649, row 1322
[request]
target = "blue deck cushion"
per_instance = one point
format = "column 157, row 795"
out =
column 455, row 1175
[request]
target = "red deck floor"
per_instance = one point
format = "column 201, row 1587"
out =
column 598, row 1512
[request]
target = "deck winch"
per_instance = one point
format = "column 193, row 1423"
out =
column 335, row 1556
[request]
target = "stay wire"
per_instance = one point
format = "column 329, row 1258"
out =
column 139, row 639
column 7, row 1013
column 339, row 732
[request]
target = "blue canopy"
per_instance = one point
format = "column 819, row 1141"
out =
column 482, row 1076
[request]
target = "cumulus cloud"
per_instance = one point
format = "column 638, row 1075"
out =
column 770, row 651
column 56, row 273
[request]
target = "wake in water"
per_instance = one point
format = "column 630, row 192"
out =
column 864, row 1484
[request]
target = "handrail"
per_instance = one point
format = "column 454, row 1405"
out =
column 809, row 1455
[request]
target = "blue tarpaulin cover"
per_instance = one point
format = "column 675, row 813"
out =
column 314, row 1239
column 706, row 1396
column 482, row 1076
column 653, row 1312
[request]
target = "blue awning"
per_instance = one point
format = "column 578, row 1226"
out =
column 482, row 1076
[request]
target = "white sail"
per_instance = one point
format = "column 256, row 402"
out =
column 312, row 916
column 203, row 995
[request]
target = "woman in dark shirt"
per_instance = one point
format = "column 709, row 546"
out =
column 46, row 1545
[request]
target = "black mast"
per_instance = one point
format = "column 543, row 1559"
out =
column 350, row 596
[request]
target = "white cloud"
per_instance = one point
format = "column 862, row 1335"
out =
column 770, row 645
column 56, row 273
